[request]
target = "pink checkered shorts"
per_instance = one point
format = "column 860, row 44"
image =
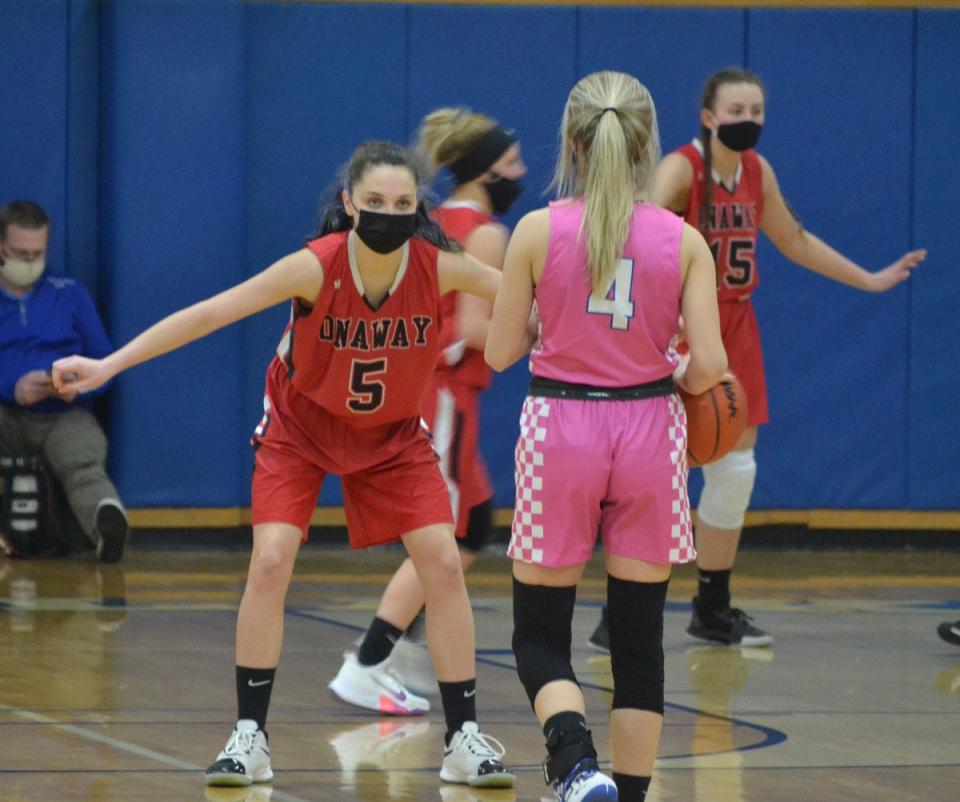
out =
column 613, row 468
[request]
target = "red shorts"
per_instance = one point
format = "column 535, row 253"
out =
column 741, row 338
column 391, row 475
column 450, row 410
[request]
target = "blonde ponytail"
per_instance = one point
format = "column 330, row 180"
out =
column 609, row 150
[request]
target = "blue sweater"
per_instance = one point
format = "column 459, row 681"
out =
column 55, row 318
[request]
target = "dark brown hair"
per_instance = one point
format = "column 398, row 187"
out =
column 728, row 75
column 334, row 217
column 23, row 213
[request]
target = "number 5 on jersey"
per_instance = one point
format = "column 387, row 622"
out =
column 619, row 307
column 368, row 392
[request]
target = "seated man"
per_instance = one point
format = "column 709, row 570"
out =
column 43, row 318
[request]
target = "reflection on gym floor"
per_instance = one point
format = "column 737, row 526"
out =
column 116, row 684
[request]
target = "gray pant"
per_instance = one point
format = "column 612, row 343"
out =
column 74, row 445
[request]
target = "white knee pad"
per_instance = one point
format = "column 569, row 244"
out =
column 727, row 485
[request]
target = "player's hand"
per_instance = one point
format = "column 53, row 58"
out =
column 32, row 388
column 899, row 271
column 78, row 374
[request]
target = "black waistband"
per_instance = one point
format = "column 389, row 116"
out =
column 551, row 388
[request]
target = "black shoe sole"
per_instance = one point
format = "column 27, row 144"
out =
column 946, row 632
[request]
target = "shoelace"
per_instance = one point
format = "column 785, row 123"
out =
column 736, row 614
column 240, row 743
column 578, row 778
column 484, row 745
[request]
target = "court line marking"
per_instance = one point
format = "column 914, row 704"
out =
column 123, row 746
column 772, row 737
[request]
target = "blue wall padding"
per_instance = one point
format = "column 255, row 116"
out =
column 932, row 427
column 172, row 210
column 33, row 99
column 184, row 145
column 671, row 50
column 839, row 137
column 81, row 223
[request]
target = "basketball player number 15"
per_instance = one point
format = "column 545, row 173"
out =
column 619, row 306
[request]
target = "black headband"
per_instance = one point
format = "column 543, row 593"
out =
column 489, row 149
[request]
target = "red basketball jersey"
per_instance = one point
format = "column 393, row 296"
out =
column 457, row 362
column 368, row 365
column 733, row 222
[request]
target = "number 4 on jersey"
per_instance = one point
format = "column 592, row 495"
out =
column 619, row 306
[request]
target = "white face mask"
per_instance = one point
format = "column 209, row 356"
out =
column 21, row 273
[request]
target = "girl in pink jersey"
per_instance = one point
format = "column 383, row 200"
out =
column 485, row 162
column 343, row 396
column 602, row 444
column 721, row 185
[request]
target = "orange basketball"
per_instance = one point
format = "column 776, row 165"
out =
column 715, row 421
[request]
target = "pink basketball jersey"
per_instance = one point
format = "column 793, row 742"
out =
column 624, row 338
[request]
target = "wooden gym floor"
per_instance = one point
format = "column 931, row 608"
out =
column 116, row 683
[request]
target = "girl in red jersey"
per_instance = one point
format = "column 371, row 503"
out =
column 602, row 446
column 343, row 395
column 486, row 165
column 720, row 184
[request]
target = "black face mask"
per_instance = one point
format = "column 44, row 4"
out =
column 502, row 193
column 384, row 233
column 739, row 136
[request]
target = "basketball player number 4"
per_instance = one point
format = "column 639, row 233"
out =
column 619, row 306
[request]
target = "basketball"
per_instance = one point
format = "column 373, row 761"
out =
column 715, row 421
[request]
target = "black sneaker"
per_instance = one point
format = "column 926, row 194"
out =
column 950, row 632
column 110, row 529
column 728, row 625
column 600, row 639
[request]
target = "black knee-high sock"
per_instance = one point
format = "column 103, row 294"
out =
column 378, row 642
column 253, row 693
column 459, row 701
column 631, row 788
column 713, row 588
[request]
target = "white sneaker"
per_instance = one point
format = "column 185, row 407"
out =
column 411, row 662
column 585, row 784
column 474, row 758
column 375, row 688
column 244, row 760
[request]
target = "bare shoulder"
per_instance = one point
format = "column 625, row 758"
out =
column 676, row 162
column 488, row 242
column 535, row 222
column 673, row 180
column 304, row 272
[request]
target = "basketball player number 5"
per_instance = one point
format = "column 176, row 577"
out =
column 619, row 307
column 367, row 392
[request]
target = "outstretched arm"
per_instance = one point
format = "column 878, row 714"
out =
column 799, row 245
column 299, row 274
column 464, row 273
